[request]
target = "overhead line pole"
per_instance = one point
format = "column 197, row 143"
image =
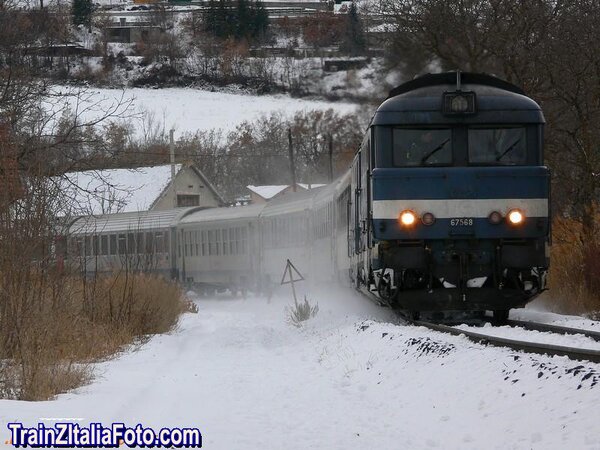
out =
column 330, row 158
column 292, row 164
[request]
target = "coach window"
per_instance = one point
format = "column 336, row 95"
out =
column 244, row 240
column 96, row 244
column 104, row 244
column 122, row 244
column 166, row 242
column 210, row 242
column 113, row 244
column 204, row 242
column 504, row 146
column 421, row 147
column 149, row 243
column 159, row 239
column 76, row 246
column 88, row 246
column 225, row 233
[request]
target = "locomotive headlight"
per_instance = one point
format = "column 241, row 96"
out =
column 408, row 218
column 515, row 216
column 459, row 104
column 428, row 219
column 495, row 217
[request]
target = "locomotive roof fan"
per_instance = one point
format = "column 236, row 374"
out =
column 458, row 102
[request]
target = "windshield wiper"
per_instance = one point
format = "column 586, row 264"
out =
column 499, row 157
column 434, row 151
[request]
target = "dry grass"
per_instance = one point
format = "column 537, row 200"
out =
column 574, row 270
column 301, row 312
column 52, row 339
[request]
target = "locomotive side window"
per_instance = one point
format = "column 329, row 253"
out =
column 498, row 146
column 421, row 147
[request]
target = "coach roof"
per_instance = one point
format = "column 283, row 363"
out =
column 129, row 221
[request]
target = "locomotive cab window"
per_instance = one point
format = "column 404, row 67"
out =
column 421, row 147
column 498, row 146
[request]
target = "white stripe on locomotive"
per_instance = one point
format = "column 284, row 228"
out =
column 472, row 208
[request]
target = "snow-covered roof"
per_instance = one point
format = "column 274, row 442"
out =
column 269, row 191
column 128, row 222
column 118, row 190
column 382, row 28
column 310, row 186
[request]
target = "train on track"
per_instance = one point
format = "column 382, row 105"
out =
column 445, row 208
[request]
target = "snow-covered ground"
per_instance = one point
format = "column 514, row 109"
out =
column 350, row 378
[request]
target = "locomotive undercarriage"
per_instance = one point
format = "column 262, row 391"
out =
column 474, row 275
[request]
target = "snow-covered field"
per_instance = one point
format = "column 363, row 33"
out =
column 350, row 378
column 190, row 110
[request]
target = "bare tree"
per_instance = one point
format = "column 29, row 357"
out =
column 548, row 47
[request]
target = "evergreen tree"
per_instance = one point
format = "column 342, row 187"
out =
column 354, row 41
column 260, row 21
column 243, row 20
column 82, row 12
column 210, row 18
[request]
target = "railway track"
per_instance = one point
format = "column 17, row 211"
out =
column 575, row 353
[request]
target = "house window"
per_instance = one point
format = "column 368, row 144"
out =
column 188, row 200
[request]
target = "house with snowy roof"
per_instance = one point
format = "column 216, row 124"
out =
column 263, row 194
column 144, row 188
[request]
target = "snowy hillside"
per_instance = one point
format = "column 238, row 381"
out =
column 187, row 109
column 350, row 378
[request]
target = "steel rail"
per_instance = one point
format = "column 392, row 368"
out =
column 578, row 354
column 536, row 326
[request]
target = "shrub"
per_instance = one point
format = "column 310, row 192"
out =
column 574, row 270
column 301, row 312
column 58, row 327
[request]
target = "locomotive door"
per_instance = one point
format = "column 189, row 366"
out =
column 356, row 228
column 365, row 193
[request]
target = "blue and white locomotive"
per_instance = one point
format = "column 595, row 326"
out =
column 450, row 198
